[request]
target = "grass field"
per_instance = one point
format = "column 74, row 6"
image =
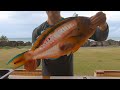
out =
column 86, row 59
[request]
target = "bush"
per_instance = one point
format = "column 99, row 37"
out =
column 3, row 38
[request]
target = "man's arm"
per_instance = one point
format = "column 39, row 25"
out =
column 34, row 38
column 33, row 64
column 100, row 34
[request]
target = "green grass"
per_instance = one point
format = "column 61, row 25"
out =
column 86, row 59
column 19, row 47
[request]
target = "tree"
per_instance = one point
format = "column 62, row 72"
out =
column 3, row 38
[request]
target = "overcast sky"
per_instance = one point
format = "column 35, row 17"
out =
column 20, row 24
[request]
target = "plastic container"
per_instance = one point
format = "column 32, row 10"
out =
column 5, row 73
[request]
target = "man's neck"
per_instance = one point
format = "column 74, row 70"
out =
column 54, row 19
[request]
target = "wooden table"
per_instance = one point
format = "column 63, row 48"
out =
column 60, row 77
column 107, row 73
column 23, row 74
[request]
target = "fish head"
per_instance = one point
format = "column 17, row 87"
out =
column 18, row 61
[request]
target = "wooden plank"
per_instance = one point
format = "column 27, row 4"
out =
column 60, row 77
column 24, row 77
column 23, row 72
column 107, row 73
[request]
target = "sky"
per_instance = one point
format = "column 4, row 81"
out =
column 20, row 24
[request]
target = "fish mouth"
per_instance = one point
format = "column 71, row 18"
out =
column 18, row 60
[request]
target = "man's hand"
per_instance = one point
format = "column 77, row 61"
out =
column 103, row 27
column 99, row 20
column 31, row 65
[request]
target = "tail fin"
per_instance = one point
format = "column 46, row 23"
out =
column 75, row 15
column 18, row 60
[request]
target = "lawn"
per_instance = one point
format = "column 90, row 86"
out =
column 86, row 59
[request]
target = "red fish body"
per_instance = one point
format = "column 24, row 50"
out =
column 63, row 38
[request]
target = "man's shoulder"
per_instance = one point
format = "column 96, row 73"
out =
column 40, row 27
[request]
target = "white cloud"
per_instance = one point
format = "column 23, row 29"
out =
column 80, row 13
column 23, row 17
column 113, row 15
column 27, row 20
column 4, row 15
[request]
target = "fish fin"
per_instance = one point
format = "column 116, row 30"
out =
column 69, row 54
column 76, row 48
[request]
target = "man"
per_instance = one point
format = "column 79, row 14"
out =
column 62, row 66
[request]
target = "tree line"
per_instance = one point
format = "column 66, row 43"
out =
column 3, row 38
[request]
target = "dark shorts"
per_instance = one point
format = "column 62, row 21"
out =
column 63, row 66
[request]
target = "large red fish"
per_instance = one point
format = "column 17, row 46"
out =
column 63, row 38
